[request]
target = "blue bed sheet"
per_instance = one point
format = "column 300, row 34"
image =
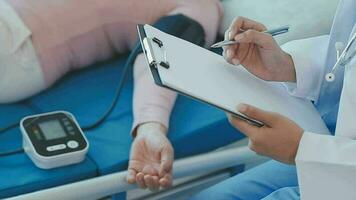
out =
column 195, row 128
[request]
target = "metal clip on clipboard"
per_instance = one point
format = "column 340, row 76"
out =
column 147, row 43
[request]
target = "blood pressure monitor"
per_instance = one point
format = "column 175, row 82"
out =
column 53, row 139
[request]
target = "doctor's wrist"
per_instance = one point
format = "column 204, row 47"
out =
column 290, row 75
column 295, row 147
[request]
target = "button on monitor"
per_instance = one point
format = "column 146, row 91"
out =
column 70, row 128
column 73, row 144
column 56, row 147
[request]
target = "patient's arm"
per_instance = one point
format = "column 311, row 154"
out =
column 151, row 156
column 150, row 102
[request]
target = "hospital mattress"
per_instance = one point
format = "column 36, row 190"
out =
column 195, row 128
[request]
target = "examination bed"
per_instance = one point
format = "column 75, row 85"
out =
column 195, row 128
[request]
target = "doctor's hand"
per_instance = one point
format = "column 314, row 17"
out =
column 258, row 52
column 151, row 158
column 279, row 138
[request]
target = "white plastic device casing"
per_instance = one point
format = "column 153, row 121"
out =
column 49, row 162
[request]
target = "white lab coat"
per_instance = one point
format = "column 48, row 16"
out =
column 326, row 165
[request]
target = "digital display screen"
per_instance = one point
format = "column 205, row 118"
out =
column 52, row 130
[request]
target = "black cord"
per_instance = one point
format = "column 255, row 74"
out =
column 17, row 124
column 103, row 117
column 14, row 125
column 8, row 153
column 123, row 78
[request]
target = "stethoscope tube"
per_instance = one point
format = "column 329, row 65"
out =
column 330, row 77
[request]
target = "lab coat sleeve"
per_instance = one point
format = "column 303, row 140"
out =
column 326, row 167
column 308, row 57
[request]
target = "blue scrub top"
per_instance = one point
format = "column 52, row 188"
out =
column 342, row 30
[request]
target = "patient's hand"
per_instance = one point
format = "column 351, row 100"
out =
column 151, row 158
column 258, row 52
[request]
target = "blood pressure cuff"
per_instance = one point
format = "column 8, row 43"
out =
column 182, row 27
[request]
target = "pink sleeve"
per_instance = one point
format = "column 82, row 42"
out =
column 153, row 103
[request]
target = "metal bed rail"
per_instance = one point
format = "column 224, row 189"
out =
column 103, row 186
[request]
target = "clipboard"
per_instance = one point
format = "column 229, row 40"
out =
column 146, row 44
column 202, row 75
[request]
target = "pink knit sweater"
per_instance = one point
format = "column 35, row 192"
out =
column 72, row 34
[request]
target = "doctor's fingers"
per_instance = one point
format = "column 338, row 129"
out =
column 227, row 35
column 228, row 51
column 257, row 146
column 268, row 118
column 240, row 24
column 244, row 127
column 237, row 54
column 225, row 48
column 257, row 136
column 261, row 39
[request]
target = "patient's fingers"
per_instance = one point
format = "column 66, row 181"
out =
column 155, row 183
column 166, row 181
column 140, row 180
column 149, row 169
column 150, row 183
column 131, row 176
column 166, row 161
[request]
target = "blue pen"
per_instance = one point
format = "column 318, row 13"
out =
column 273, row 32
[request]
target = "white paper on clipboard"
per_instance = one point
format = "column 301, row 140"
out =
column 206, row 76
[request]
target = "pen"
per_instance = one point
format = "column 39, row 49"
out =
column 273, row 32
